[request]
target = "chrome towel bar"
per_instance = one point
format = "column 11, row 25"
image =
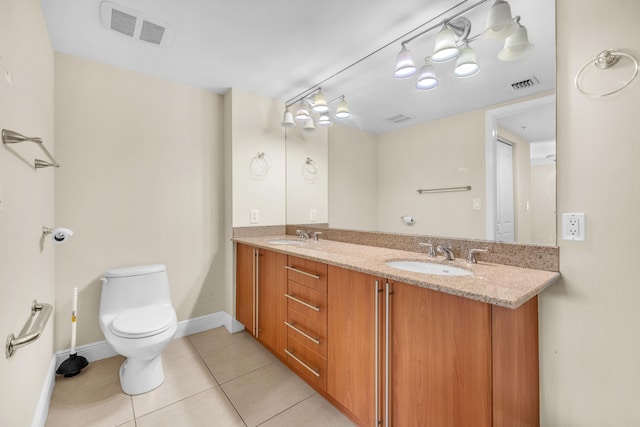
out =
column 32, row 329
column 443, row 190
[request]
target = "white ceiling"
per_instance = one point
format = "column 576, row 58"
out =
column 280, row 48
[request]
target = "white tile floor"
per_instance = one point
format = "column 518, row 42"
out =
column 212, row 379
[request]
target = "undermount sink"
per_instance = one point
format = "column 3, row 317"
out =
column 429, row 268
column 285, row 242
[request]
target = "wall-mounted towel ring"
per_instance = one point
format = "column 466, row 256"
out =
column 607, row 59
column 260, row 165
column 309, row 170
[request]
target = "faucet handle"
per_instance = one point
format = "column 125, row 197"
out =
column 432, row 252
column 316, row 235
column 471, row 258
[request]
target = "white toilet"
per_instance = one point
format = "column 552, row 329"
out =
column 138, row 320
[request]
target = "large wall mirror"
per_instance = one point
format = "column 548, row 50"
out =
column 472, row 158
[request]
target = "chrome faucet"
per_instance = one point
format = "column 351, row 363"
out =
column 302, row 234
column 431, row 253
column 447, row 252
column 471, row 258
column 315, row 235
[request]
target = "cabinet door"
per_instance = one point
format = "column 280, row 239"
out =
column 440, row 359
column 272, row 305
column 351, row 355
column 245, row 302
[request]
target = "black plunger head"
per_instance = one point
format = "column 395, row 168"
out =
column 72, row 366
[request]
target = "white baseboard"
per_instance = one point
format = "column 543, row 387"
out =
column 102, row 349
column 42, row 410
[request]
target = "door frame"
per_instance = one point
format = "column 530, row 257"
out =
column 491, row 138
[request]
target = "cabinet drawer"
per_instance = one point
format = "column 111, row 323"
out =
column 311, row 334
column 307, row 363
column 309, row 273
column 306, row 301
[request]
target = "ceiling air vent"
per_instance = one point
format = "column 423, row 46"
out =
column 525, row 84
column 399, row 118
column 131, row 23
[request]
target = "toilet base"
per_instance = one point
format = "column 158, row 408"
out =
column 141, row 376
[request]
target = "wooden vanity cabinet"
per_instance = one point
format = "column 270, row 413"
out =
column 260, row 303
column 306, row 319
column 449, row 361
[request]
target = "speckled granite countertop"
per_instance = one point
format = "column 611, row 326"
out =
column 497, row 284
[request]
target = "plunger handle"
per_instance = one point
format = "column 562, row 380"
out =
column 74, row 312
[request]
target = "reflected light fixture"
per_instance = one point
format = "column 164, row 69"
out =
column 342, row 110
column 309, row 125
column 427, row 79
column 320, row 103
column 405, row 67
column 467, row 64
column 302, row 114
column 500, row 25
column 287, row 119
column 517, row 45
column 324, row 120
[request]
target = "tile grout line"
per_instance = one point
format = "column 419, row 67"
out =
column 285, row 410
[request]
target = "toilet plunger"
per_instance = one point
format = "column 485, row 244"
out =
column 74, row 364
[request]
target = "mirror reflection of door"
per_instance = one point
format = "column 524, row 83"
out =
column 505, row 214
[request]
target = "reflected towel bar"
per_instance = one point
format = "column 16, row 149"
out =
column 11, row 137
column 32, row 329
column 443, row 190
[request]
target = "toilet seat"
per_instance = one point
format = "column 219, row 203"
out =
column 143, row 322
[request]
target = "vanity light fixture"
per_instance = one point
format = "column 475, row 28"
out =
column 342, row 110
column 517, row 45
column 405, row 67
column 320, row 103
column 500, row 25
column 453, row 39
column 466, row 64
column 427, row 79
column 302, row 114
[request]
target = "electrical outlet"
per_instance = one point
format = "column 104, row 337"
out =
column 255, row 216
column 477, row 204
column 573, row 226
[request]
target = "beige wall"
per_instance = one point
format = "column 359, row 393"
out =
column 141, row 182
column 255, row 127
column 412, row 158
column 27, row 201
column 353, row 178
column 305, row 190
column 590, row 321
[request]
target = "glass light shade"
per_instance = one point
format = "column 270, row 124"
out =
column 500, row 24
column 320, row 103
column 287, row 119
column 445, row 48
column 516, row 46
column 405, row 67
column 324, row 120
column 427, row 79
column 466, row 65
column 309, row 125
column 302, row 114
column 342, row 110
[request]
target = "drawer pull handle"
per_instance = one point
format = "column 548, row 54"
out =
column 309, row 337
column 306, row 304
column 313, row 371
column 315, row 276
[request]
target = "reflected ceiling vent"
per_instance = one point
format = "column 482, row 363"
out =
column 525, row 84
column 133, row 24
column 399, row 118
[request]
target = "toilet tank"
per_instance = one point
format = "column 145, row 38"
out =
column 131, row 287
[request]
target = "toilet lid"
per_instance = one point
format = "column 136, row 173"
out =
column 143, row 321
